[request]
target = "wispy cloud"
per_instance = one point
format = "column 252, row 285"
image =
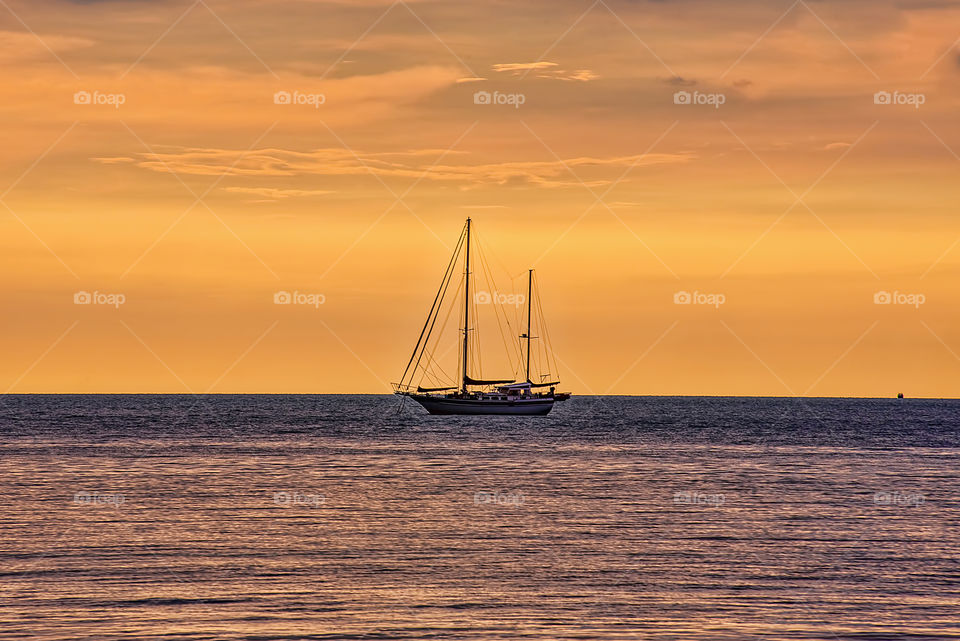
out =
column 406, row 164
column 270, row 192
column 21, row 45
column 545, row 70
column 520, row 67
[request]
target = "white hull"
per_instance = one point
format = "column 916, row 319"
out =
column 467, row 406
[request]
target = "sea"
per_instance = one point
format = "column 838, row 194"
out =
column 256, row 517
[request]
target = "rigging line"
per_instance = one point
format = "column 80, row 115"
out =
column 430, row 378
column 542, row 326
column 514, row 342
column 518, row 310
column 548, row 344
column 517, row 315
column 475, row 343
column 504, row 267
column 434, row 363
column 474, row 339
column 484, row 253
column 446, row 321
column 496, row 311
column 430, row 331
column 541, row 341
column 437, row 298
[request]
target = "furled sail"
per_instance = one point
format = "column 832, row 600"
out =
column 436, row 389
column 476, row 381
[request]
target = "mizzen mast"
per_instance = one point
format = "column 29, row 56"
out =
column 529, row 302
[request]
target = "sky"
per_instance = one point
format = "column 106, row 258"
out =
column 738, row 198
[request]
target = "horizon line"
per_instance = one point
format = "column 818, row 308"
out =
column 930, row 398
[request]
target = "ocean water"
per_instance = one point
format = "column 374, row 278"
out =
column 336, row 517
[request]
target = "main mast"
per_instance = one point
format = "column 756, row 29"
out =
column 529, row 301
column 466, row 311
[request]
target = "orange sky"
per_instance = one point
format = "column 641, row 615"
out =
column 798, row 199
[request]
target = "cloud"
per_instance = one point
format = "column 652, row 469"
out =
column 115, row 160
column 412, row 164
column 20, row 45
column 270, row 192
column 519, row 67
column 580, row 75
column 679, row 81
column 545, row 70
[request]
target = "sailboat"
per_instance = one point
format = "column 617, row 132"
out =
column 469, row 395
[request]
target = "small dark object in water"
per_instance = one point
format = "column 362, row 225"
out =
column 900, row 395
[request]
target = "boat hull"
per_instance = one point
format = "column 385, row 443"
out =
column 466, row 406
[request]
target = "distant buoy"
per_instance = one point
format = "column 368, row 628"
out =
column 900, row 395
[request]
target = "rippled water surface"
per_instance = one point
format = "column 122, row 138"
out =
column 335, row 517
